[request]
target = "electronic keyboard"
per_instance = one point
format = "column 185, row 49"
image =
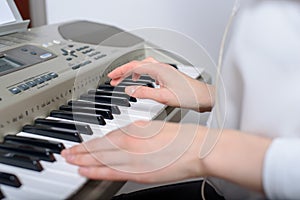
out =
column 55, row 94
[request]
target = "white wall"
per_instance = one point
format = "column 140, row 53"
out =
column 202, row 20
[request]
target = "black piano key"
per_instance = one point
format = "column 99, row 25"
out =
column 10, row 180
column 1, row 195
column 77, row 116
column 106, row 114
column 55, row 147
column 40, row 153
column 112, row 88
column 136, row 83
column 112, row 93
column 127, row 82
column 113, row 108
column 119, row 101
column 54, row 132
column 26, row 162
column 173, row 65
column 81, row 128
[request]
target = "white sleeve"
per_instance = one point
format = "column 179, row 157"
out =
column 281, row 171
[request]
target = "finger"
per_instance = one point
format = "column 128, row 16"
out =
column 83, row 159
column 74, row 150
column 135, row 76
column 121, row 71
column 109, row 158
column 130, row 68
column 161, row 95
column 150, row 59
column 97, row 144
column 143, row 92
column 104, row 173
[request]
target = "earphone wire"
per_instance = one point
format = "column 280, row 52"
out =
column 234, row 11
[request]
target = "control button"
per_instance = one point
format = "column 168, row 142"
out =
column 95, row 53
column 99, row 57
column 86, row 63
column 56, row 41
column 31, row 83
column 46, row 77
column 69, row 59
column 45, row 55
column 53, row 75
column 33, row 53
column 15, row 90
column 38, row 80
column 63, row 50
column 23, row 87
column 76, row 66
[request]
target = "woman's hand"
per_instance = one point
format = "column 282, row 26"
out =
column 176, row 89
column 145, row 151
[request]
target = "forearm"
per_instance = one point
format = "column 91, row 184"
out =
column 238, row 157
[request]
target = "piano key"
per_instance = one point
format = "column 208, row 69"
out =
column 142, row 77
column 80, row 127
column 49, row 131
column 37, row 152
column 191, row 71
column 113, row 108
column 136, row 83
column 22, row 161
column 173, row 65
column 119, row 101
column 77, row 116
column 27, row 193
column 107, row 114
column 126, row 83
column 2, row 196
column 9, row 179
column 55, row 147
column 43, row 183
column 66, row 143
column 112, row 93
column 112, row 88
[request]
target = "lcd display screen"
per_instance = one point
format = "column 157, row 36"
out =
column 7, row 64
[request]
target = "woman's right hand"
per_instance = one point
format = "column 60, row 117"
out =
column 176, row 89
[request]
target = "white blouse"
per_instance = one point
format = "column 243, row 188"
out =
column 261, row 76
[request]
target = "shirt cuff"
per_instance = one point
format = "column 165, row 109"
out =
column 281, row 170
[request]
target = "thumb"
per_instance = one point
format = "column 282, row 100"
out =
column 143, row 92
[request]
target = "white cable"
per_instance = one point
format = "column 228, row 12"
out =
column 234, row 11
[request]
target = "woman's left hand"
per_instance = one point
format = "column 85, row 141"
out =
column 144, row 151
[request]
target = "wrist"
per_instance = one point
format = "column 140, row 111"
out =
column 237, row 157
column 205, row 96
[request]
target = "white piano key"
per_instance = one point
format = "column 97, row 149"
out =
column 190, row 70
column 26, row 193
column 65, row 142
column 52, row 182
